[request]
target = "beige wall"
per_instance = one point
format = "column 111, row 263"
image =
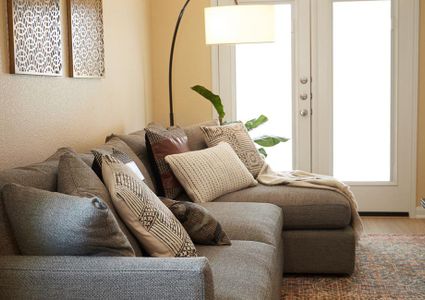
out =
column 421, row 110
column 192, row 61
column 40, row 114
column 193, row 66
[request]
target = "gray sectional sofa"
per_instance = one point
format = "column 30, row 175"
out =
column 274, row 230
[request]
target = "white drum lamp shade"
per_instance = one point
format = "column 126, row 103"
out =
column 238, row 24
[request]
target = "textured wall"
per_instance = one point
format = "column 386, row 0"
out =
column 192, row 61
column 40, row 114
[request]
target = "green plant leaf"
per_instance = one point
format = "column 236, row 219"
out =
column 263, row 152
column 254, row 123
column 213, row 98
column 270, row 140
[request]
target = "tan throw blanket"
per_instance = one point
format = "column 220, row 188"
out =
column 309, row 180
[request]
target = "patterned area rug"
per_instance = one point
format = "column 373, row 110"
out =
column 388, row 267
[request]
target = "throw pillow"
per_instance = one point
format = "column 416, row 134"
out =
column 51, row 224
column 210, row 173
column 97, row 164
column 156, row 228
column 201, row 226
column 238, row 137
column 76, row 178
column 162, row 142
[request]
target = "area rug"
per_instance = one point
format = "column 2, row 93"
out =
column 388, row 267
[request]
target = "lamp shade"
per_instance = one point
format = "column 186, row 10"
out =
column 239, row 24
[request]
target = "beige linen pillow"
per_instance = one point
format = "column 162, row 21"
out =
column 238, row 137
column 210, row 173
column 153, row 224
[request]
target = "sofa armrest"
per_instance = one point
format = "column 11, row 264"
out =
column 29, row 277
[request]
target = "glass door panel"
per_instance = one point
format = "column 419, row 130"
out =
column 362, row 103
column 264, row 86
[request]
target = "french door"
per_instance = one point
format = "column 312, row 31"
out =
column 341, row 82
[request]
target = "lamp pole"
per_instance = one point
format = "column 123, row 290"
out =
column 170, row 68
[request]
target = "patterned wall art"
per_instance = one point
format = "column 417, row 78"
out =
column 35, row 37
column 86, row 36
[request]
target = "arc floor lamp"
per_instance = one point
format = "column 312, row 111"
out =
column 232, row 24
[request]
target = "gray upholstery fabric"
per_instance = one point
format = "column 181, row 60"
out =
column 41, row 175
column 243, row 270
column 119, row 145
column 136, row 141
column 47, row 223
column 303, row 208
column 195, row 136
column 260, row 222
column 76, row 178
column 105, row 278
column 319, row 251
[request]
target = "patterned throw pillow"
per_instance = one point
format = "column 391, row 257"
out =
column 160, row 143
column 201, row 226
column 121, row 156
column 238, row 137
column 154, row 225
column 210, row 173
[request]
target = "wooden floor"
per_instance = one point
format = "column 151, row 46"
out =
column 395, row 225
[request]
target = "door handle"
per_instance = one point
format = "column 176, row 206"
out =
column 304, row 113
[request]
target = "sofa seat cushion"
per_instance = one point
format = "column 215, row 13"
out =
column 243, row 270
column 303, row 208
column 259, row 222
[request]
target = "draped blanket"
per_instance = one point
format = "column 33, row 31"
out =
column 309, row 180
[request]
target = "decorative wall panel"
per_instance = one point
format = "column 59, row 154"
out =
column 87, row 45
column 35, row 37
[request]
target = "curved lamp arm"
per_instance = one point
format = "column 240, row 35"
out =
column 170, row 69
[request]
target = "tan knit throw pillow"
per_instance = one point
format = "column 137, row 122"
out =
column 153, row 224
column 210, row 173
column 238, row 137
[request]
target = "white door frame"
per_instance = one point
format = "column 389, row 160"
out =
column 320, row 127
column 224, row 75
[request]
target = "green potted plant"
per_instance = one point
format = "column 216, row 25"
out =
column 264, row 141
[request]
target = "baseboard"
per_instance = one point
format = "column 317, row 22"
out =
column 420, row 212
column 383, row 214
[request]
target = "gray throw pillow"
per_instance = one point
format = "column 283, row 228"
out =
column 201, row 226
column 76, row 178
column 52, row 224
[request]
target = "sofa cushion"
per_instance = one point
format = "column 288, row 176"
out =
column 154, row 225
column 259, row 222
column 303, row 208
column 199, row 223
column 237, row 136
column 245, row 270
column 118, row 144
column 209, row 173
column 76, row 178
column 136, row 141
column 46, row 223
column 161, row 143
column 195, row 136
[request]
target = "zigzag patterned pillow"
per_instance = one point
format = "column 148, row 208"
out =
column 153, row 224
column 238, row 137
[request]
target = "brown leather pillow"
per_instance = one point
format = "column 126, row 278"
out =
column 161, row 142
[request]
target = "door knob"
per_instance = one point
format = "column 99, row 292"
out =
column 304, row 113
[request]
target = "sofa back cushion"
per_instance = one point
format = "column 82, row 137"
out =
column 76, row 178
column 135, row 143
column 41, row 175
column 195, row 136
